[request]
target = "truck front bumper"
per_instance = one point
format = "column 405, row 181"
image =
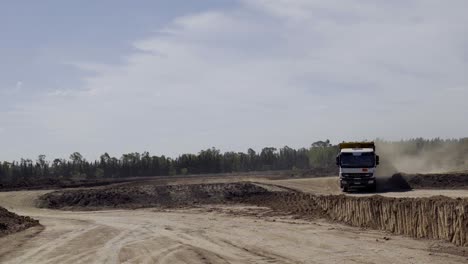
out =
column 366, row 179
column 357, row 183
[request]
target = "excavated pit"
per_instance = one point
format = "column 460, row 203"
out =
column 439, row 218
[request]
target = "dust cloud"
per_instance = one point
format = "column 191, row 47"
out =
column 404, row 157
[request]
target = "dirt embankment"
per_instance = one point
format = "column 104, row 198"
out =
column 38, row 183
column 147, row 195
column 436, row 181
column 34, row 183
column 11, row 222
column 441, row 181
column 434, row 218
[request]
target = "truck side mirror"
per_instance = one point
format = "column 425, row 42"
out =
column 338, row 160
column 377, row 160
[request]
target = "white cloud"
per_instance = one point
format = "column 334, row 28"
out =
column 271, row 73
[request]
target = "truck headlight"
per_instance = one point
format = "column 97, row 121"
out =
column 371, row 181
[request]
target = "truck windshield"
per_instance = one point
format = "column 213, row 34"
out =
column 357, row 160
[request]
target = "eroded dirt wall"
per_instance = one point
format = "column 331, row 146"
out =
column 435, row 218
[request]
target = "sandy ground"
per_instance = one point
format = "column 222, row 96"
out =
column 209, row 234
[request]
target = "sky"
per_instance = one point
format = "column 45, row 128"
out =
column 173, row 77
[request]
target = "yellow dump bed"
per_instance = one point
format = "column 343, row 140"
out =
column 352, row 145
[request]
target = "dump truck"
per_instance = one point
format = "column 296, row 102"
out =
column 357, row 162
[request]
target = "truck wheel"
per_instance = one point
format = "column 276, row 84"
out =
column 345, row 189
column 373, row 188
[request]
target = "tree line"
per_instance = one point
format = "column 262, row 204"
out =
column 144, row 164
column 320, row 154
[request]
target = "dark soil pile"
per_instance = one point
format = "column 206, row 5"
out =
column 396, row 183
column 11, row 222
column 141, row 195
column 437, row 181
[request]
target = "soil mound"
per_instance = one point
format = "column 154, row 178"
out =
column 437, row 181
column 396, row 183
column 404, row 182
column 11, row 222
column 137, row 196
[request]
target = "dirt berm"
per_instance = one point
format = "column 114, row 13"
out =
column 148, row 195
column 11, row 222
column 434, row 218
column 436, row 180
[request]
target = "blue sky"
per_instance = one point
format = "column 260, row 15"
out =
column 172, row 77
column 40, row 38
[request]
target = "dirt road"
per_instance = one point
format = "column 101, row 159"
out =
column 208, row 234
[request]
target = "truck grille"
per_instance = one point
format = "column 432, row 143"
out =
column 355, row 175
